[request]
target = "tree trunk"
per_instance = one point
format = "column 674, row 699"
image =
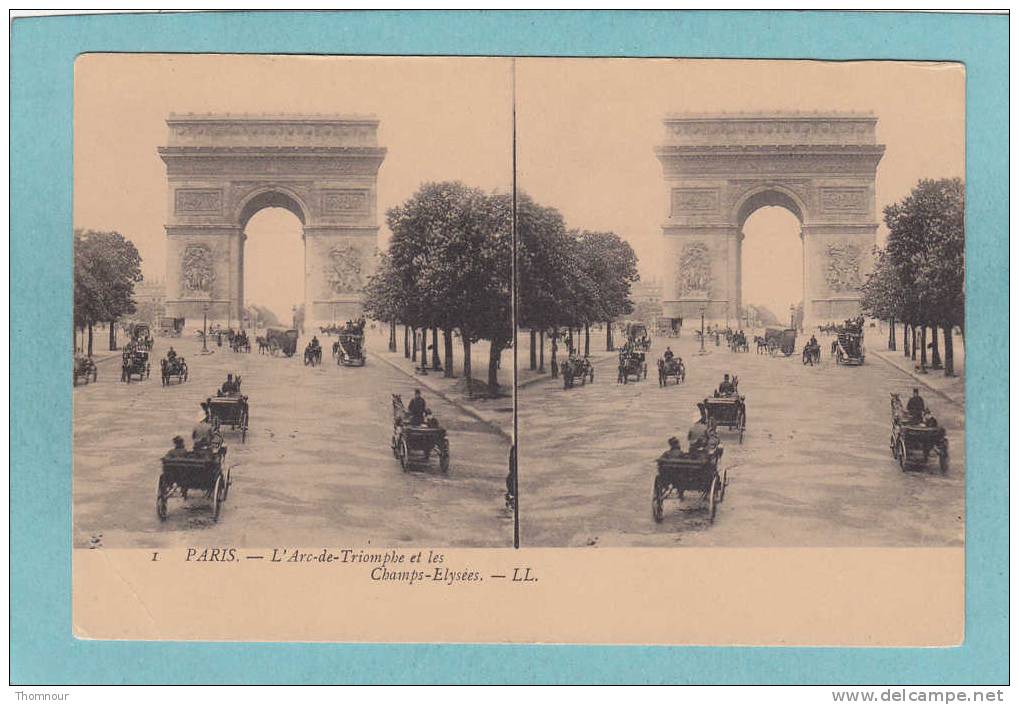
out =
column 555, row 363
column 541, row 350
column 935, row 353
column 436, row 362
column 90, row 339
column 392, row 336
column 494, row 357
column 447, row 341
column 414, row 344
column 905, row 339
column 113, row 335
column 923, row 349
column 891, row 334
column 466, row 340
column 609, row 347
column 587, row 339
column 406, row 340
column 949, row 352
column 534, row 351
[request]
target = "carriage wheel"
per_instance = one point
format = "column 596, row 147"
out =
column 742, row 426
column 645, row 370
column 902, row 455
column 395, row 448
column 161, row 493
column 592, row 375
column 943, row 457
column 713, row 498
column 725, row 483
column 404, row 454
column 217, row 499
column 226, row 485
column 185, row 375
column 658, row 500
column 661, row 378
column 893, row 446
column 444, row 457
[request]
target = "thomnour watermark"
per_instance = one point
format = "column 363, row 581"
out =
column 40, row 697
column 918, row 695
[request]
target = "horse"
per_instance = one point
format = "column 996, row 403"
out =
column 670, row 368
column 762, row 345
column 263, row 345
column 811, row 354
column 312, row 355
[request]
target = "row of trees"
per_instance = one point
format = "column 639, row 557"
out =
column 569, row 280
column 918, row 277
column 449, row 268
column 106, row 268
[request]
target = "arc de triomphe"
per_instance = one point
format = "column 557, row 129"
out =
column 222, row 169
column 720, row 168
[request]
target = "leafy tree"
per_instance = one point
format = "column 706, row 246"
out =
column 611, row 265
column 106, row 268
column 926, row 248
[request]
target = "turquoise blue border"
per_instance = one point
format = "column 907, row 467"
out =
column 42, row 57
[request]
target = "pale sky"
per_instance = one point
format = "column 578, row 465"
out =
column 586, row 131
column 440, row 119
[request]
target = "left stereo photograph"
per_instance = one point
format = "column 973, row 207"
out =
column 292, row 302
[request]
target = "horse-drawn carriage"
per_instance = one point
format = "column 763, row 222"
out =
column 577, row 369
column 230, row 410
column 239, row 341
column 84, row 369
column 913, row 440
column 349, row 349
column 169, row 327
column 728, row 410
column 632, row 363
column 281, row 341
column 780, row 341
column 812, row 353
column 414, row 443
column 194, row 470
column 637, row 335
column 141, row 336
column 134, row 363
column 673, row 367
column 848, row 347
column 693, row 472
column 171, row 369
column 738, row 342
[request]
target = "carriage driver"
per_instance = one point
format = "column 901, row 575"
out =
column 231, row 386
column 201, row 435
column 701, row 435
column 916, row 407
column 726, row 388
column 171, row 354
column 418, row 409
column 668, row 355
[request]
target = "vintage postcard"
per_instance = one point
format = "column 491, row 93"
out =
column 443, row 334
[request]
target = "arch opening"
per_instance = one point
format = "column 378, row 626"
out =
column 272, row 266
column 771, row 268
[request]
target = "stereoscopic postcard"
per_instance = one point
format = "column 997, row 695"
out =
column 531, row 350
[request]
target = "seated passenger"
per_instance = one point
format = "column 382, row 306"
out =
column 726, row 388
column 171, row 354
column 668, row 354
column 698, row 436
column 178, row 450
column 674, row 450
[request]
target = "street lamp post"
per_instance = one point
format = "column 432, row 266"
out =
column 702, row 330
column 792, row 316
column 205, row 328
